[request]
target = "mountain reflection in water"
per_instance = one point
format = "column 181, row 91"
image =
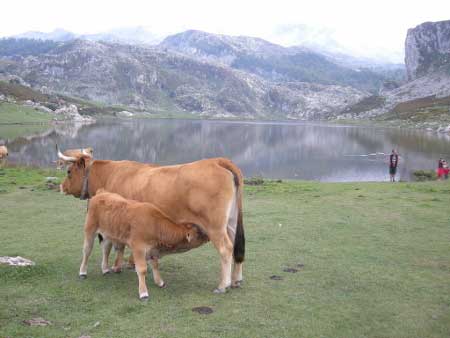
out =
column 275, row 150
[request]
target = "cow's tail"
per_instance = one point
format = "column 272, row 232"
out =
column 239, row 239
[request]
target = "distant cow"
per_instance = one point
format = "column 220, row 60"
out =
column 3, row 152
column 70, row 153
column 141, row 226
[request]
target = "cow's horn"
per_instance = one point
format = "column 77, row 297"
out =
column 64, row 157
column 86, row 153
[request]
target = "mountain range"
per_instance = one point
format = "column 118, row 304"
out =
column 204, row 74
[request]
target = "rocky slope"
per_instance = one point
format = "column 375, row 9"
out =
column 155, row 80
column 270, row 61
column 427, row 49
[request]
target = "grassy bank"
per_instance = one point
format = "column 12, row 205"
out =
column 17, row 120
column 372, row 261
column 11, row 113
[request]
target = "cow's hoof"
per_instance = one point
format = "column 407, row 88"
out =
column 106, row 272
column 218, row 291
column 163, row 285
column 83, row 276
column 143, row 297
column 117, row 270
column 236, row 284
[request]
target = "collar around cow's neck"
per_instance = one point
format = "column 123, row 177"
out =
column 85, row 188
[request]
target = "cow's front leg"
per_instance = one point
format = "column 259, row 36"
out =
column 225, row 248
column 156, row 276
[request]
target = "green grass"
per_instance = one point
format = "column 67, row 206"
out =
column 11, row 113
column 376, row 264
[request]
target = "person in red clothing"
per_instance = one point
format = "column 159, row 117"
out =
column 393, row 163
column 440, row 169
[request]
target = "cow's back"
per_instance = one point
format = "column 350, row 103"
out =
column 186, row 192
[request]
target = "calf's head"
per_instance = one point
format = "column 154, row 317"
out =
column 195, row 235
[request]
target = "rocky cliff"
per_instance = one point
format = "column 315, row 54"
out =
column 427, row 49
column 424, row 99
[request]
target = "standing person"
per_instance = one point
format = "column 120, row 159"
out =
column 445, row 168
column 440, row 169
column 393, row 162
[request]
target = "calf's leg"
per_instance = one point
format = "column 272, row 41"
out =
column 156, row 276
column 120, row 249
column 106, row 250
column 130, row 263
column 89, row 238
column 141, row 270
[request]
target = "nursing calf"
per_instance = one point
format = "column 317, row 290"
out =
column 141, row 226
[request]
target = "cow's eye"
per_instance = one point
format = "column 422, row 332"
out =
column 68, row 172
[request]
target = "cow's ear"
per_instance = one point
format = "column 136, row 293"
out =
column 81, row 163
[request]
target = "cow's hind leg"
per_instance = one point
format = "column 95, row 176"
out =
column 236, row 278
column 141, row 270
column 106, row 250
column 156, row 276
column 89, row 238
column 224, row 246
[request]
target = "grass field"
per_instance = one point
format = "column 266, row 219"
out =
column 374, row 262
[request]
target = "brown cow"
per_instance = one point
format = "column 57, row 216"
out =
column 70, row 153
column 206, row 192
column 141, row 226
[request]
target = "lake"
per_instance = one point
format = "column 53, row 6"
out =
column 303, row 150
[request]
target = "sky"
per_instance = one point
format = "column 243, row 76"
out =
column 360, row 26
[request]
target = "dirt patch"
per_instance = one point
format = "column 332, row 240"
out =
column 37, row 322
column 292, row 270
column 275, row 277
column 203, row 310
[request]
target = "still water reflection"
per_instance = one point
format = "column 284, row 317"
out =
column 275, row 150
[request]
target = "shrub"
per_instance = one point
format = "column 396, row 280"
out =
column 254, row 181
column 425, row 175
